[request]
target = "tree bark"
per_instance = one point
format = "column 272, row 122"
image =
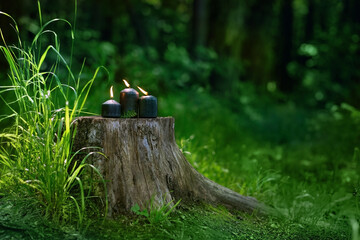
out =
column 137, row 23
column 309, row 22
column 144, row 162
column 285, row 46
column 199, row 25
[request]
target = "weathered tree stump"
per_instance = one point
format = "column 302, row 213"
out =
column 143, row 162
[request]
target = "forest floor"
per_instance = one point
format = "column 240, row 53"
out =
column 300, row 162
column 185, row 223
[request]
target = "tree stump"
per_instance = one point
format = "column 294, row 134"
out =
column 144, row 162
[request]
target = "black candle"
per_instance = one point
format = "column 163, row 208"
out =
column 147, row 105
column 111, row 108
column 129, row 98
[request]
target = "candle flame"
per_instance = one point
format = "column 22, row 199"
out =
column 111, row 92
column 142, row 90
column 126, row 83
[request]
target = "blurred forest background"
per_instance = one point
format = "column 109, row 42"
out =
column 264, row 93
column 306, row 51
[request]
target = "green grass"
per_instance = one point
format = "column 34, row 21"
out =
column 36, row 158
column 308, row 173
column 153, row 214
column 196, row 222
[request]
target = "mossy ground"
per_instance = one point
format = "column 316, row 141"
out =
column 186, row 223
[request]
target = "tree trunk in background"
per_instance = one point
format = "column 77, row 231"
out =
column 199, row 25
column 351, row 10
column 309, row 22
column 136, row 22
column 144, row 162
column 218, row 19
column 255, row 49
column 356, row 12
column 322, row 15
column 285, row 46
column 225, row 37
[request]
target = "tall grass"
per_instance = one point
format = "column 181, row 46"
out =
column 35, row 155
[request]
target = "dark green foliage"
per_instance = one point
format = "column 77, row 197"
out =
column 307, row 48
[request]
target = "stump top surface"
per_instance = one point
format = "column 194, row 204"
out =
column 100, row 118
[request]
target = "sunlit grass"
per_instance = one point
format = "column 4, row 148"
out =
column 35, row 156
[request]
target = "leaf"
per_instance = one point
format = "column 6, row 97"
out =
column 136, row 210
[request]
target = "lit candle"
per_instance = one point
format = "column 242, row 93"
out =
column 129, row 98
column 147, row 105
column 111, row 108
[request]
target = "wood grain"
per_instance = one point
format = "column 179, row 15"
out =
column 144, row 161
